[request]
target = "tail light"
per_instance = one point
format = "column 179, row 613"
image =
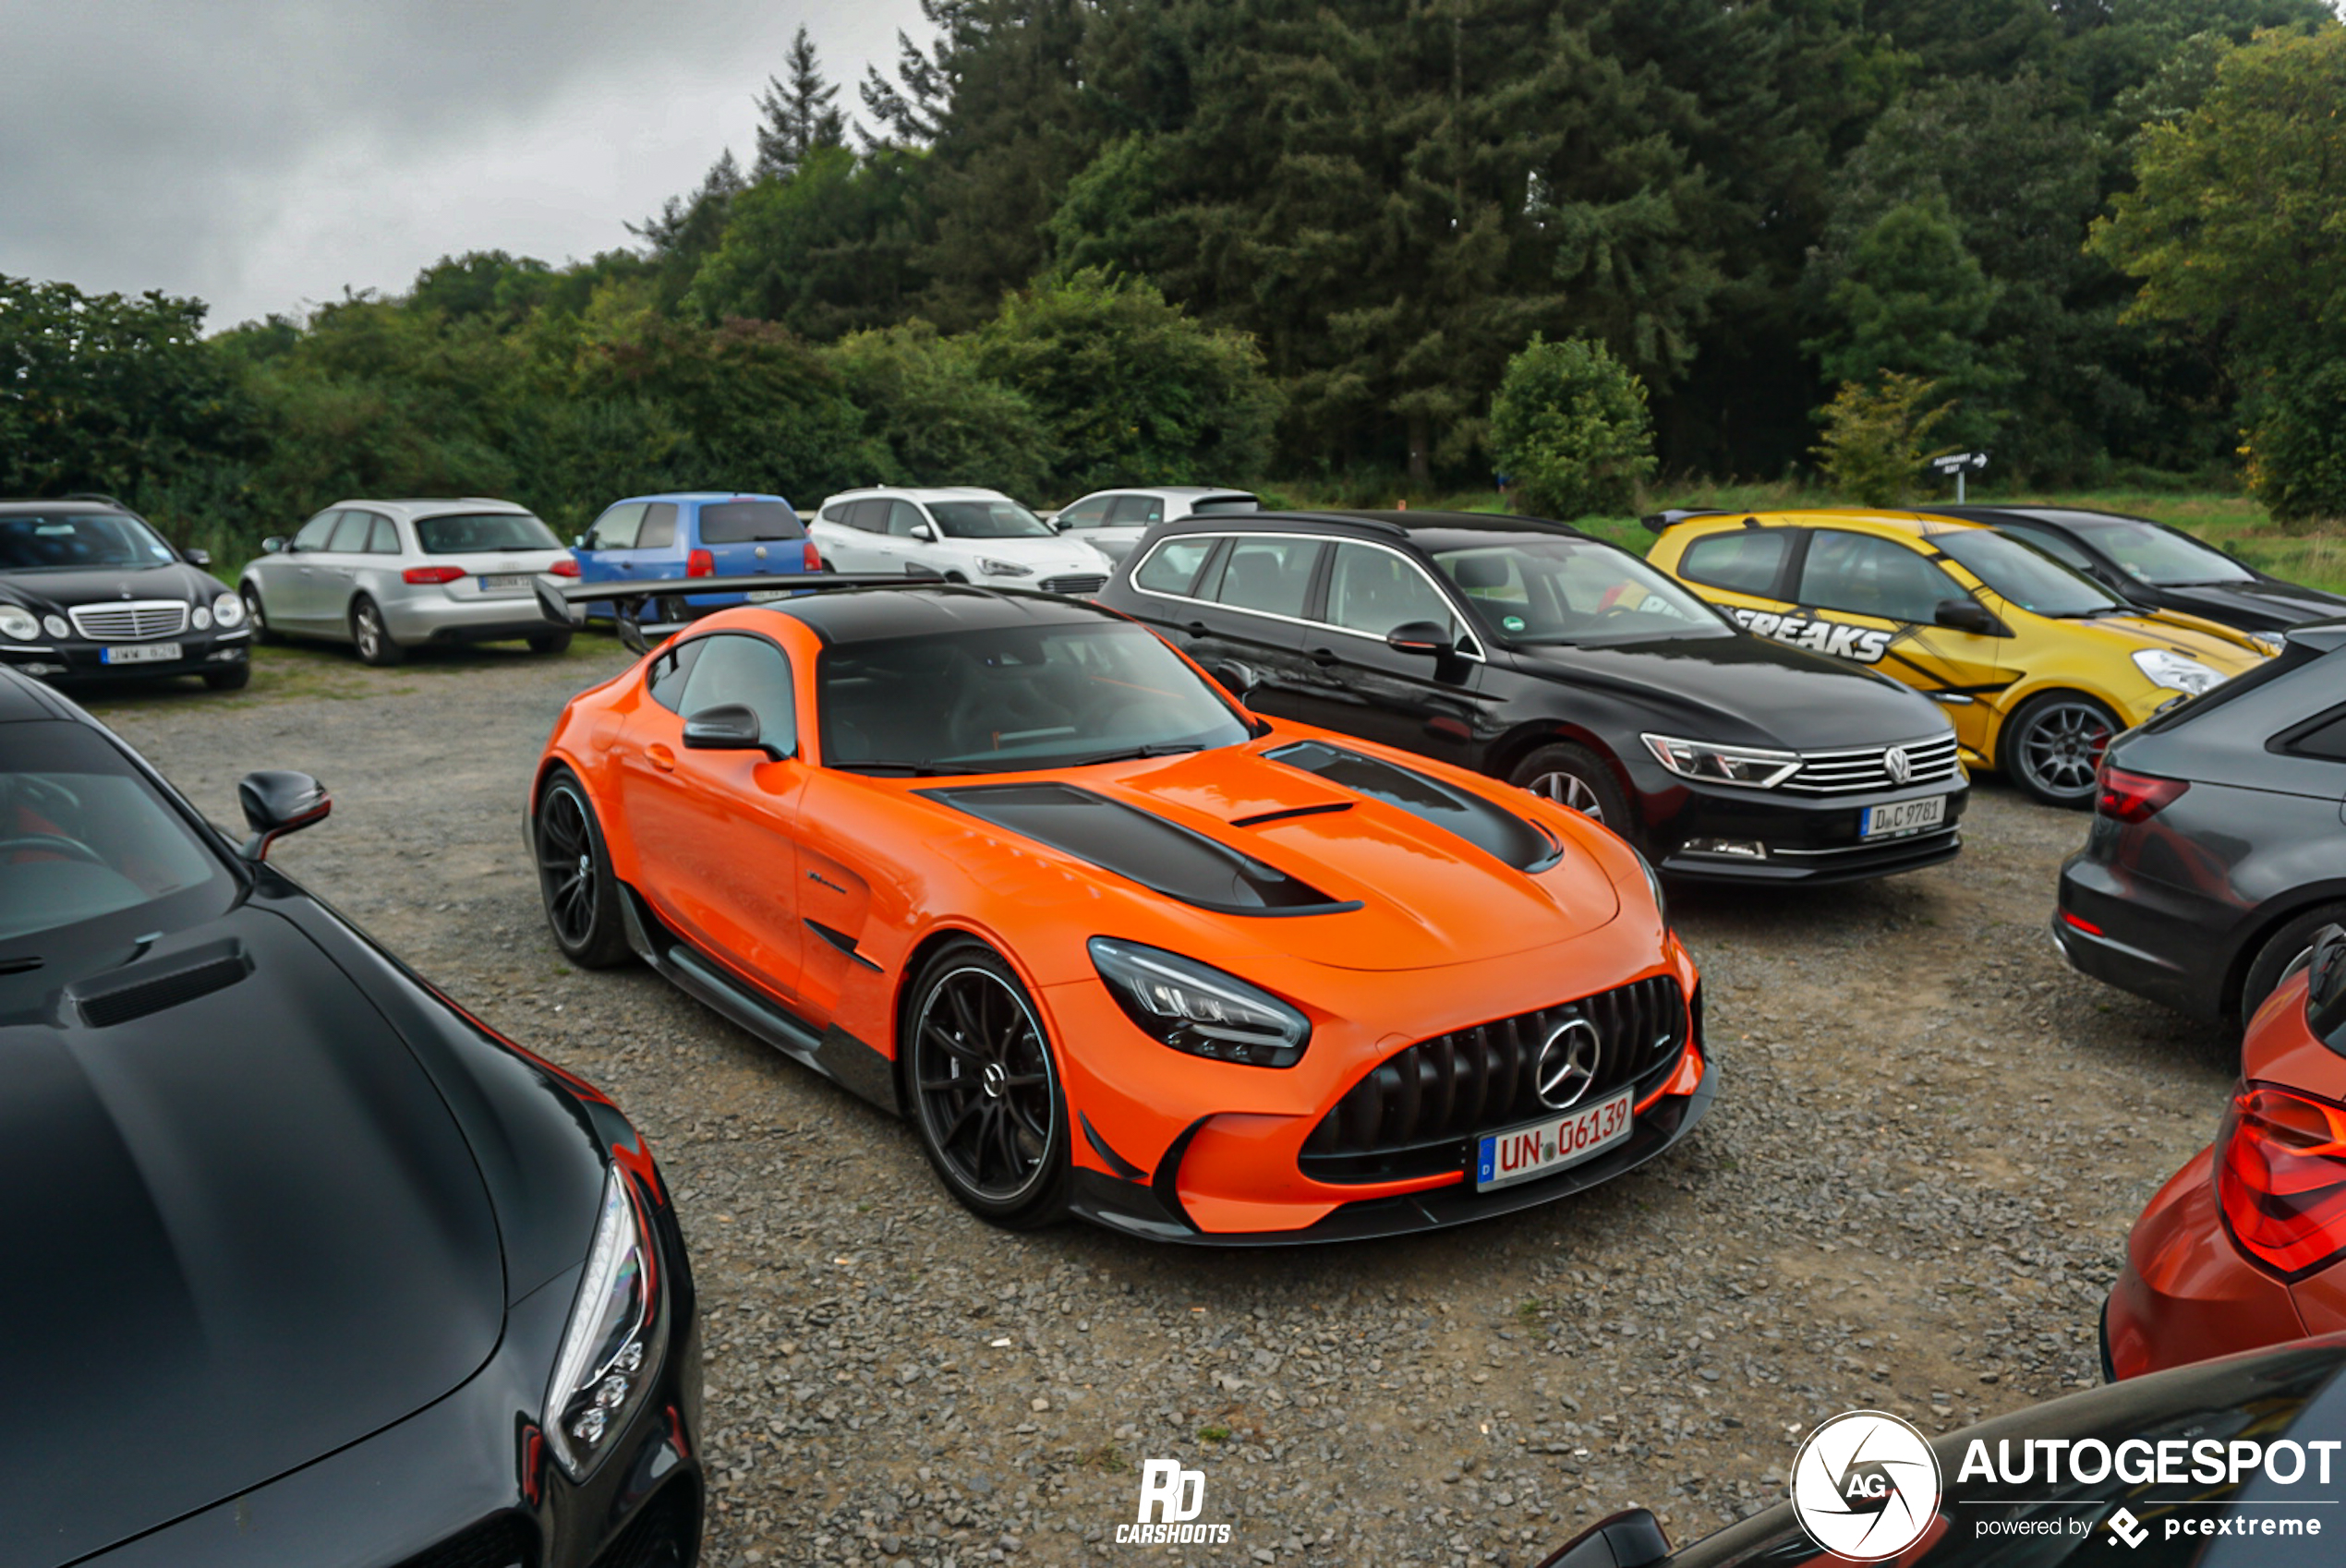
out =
column 2281, row 1178
column 565, row 567
column 810, row 559
column 423, row 575
column 701, row 564
column 2134, row 797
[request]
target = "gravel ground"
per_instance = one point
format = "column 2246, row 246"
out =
column 1911, row 1195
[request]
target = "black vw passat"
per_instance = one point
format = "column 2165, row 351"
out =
column 318, row 1270
column 1536, row 654
column 89, row 592
column 2158, row 567
column 2216, row 848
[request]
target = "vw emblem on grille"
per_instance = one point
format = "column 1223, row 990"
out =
column 1567, row 1065
column 1898, row 765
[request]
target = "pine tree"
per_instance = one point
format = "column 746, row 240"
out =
column 908, row 115
column 796, row 115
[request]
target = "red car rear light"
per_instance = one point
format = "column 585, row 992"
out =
column 2135, row 797
column 809, row 559
column 565, row 567
column 2281, row 1178
column 421, row 575
column 701, row 564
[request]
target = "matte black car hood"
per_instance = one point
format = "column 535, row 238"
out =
column 63, row 590
column 2255, row 606
column 246, row 1231
column 1745, row 690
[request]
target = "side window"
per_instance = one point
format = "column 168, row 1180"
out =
column 1135, row 509
column 1173, row 566
column 1373, row 590
column 350, row 534
column 316, row 531
column 2324, row 740
column 871, row 516
column 903, row 517
column 1747, row 561
column 735, row 667
column 384, row 538
column 666, row 681
column 616, row 529
column 1871, row 576
column 1270, row 575
column 2053, row 545
column 1087, row 514
column 658, row 531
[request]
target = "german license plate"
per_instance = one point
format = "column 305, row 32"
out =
column 504, row 582
column 765, row 596
column 141, row 653
column 1906, row 816
column 1519, row 1153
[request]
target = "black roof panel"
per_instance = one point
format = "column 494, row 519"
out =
column 860, row 615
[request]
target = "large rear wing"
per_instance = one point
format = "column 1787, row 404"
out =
column 644, row 613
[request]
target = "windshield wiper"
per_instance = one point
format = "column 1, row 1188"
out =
column 898, row 769
column 1135, row 754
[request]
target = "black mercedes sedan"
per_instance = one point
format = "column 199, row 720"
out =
column 89, row 591
column 2158, row 567
column 1535, row 653
column 316, row 1269
column 2218, row 847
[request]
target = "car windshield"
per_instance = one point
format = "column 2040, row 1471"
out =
column 71, row 542
column 84, row 836
column 1562, row 590
column 471, row 533
column 2148, row 553
column 1014, row 700
column 2024, row 576
column 988, row 520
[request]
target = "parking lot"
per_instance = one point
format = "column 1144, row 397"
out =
column 1912, row 1194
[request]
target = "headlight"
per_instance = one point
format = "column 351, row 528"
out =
column 2177, row 672
column 1200, row 1011
column 228, row 610
column 202, row 619
column 1724, row 764
column 17, row 623
column 610, row 1349
column 994, row 568
column 56, row 626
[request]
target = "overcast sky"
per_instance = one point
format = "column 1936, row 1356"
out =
column 264, row 153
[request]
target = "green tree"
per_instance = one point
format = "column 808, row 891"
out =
column 1872, row 450
column 931, row 415
column 1570, row 429
column 827, row 250
column 796, row 115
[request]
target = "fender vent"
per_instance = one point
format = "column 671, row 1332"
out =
column 212, row 969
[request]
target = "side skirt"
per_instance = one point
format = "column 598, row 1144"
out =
column 832, row 1051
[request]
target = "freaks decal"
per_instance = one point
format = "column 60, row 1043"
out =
column 1862, row 644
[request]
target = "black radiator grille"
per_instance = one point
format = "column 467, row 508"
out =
column 1416, row 1114
column 507, row 1541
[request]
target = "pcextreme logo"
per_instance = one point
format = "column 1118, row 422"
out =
column 1864, row 644
column 1176, row 1497
column 1866, row 1486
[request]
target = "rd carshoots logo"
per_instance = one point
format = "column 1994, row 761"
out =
column 1172, row 1498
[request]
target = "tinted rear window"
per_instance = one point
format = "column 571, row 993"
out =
column 1745, row 562
column 740, row 521
column 469, row 532
column 1218, row 506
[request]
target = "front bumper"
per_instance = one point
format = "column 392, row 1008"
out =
column 2187, row 1293
column 467, row 1479
column 1810, row 839
column 73, row 660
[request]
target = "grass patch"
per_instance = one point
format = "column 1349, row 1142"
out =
column 325, row 671
column 1214, row 1434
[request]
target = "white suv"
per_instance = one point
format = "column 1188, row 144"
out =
column 1112, row 522
column 961, row 535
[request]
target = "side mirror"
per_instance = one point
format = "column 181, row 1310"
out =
column 1629, row 1540
column 924, row 533
column 276, row 543
column 578, row 541
column 195, row 557
column 277, row 802
column 1233, row 678
column 1419, row 638
column 1966, row 615
column 729, row 726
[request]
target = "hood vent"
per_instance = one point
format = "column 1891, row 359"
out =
column 134, row 993
column 1502, row 835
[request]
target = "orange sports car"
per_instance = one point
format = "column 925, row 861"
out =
column 1010, row 866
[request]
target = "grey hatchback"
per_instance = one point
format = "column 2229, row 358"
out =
column 387, row 575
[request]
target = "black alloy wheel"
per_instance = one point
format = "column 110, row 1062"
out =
column 573, row 876
column 549, row 642
column 2053, row 747
column 985, row 1091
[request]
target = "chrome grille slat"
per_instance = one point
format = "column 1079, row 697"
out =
column 1861, row 769
column 131, row 622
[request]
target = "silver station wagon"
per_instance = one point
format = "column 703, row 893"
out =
column 389, row 575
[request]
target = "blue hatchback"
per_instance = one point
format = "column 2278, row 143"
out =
column 695, row 534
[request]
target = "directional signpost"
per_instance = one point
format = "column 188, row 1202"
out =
column 1959, row 463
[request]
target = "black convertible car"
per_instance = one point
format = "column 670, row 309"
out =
column 316, row 1269
column 89, row 591
column 1534, row 653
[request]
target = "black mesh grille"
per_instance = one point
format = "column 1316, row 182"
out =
column 1078, row 583
column 664, row 1533
column 1417, row 1112
column 507, row 1541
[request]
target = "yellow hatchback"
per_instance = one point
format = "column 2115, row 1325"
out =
column 2037, row 665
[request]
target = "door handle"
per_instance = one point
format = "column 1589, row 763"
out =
column 660, row 757
column 1195, row 628
column 1324, row 655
